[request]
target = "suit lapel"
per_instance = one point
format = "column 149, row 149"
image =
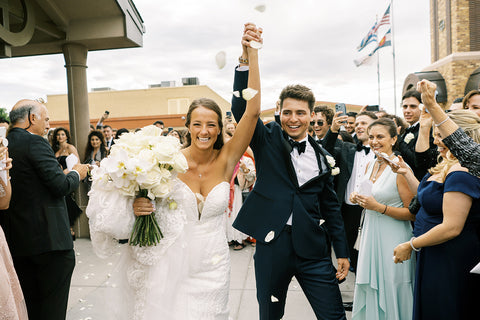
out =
column 287, row 149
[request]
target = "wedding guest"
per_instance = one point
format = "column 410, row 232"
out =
column 96, row 149
column 383, row 289
column 350, row 125
column 62, row 147
column 411, row 101
column 176, row 134
column 472, row 101
column 458, row 142
column 119, row 133
column 322, row 120
column 457, row 104
column 12, row 302
column 242, row 179
column 446, row 234
column 36, row 223
column 186, row 275
column 399, row 122
column 352, row 159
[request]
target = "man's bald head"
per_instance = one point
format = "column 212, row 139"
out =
column 30, row 115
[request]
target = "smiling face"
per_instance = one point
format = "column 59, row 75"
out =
column 361, row 124
column 204, row 128
column 61, row 136
column 441, row 147
column 350, row 126
column 411, row 110
column 380, row 139
column 473, row 104
column 320, row 125
column 295, row 118
column 95, row 142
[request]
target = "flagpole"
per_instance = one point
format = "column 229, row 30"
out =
column 378, row 68
column 393, row 56
column 378, row 76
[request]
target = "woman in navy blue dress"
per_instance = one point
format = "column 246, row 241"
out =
column 447, row 235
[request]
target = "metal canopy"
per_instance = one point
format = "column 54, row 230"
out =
column 35, row 27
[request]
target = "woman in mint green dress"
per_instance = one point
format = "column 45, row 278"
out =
column 383, row 289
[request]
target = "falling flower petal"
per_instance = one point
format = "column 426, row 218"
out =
column 221, row 59
column 256, row 45
column 81, row 300
column 261, row 8
column 82, row 308
column 274, row 299
column 236, row 94
column 269, row 237
column 322, row 221
column 249, row 93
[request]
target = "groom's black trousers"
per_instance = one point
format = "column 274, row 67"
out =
column 45, row 281
column 275, row 265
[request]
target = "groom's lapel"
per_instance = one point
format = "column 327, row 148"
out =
column 286, row 150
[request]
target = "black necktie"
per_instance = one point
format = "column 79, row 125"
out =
column 299, row 145
column 360, row 146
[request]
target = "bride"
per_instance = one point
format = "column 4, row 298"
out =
column 187, row 275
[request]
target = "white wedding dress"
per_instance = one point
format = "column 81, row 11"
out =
column 186, row 276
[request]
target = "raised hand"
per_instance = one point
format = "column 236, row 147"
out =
column 427, row 89
column 338, row 121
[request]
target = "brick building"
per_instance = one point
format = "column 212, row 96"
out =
column 455, row 54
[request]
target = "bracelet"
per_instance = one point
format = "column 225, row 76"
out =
column 445, row 120
column 411, row 245
column 385, row 209
column 242, row 60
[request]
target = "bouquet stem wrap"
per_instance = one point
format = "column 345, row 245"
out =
column 146, row 231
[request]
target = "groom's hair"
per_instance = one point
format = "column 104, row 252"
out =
column 298, row 92
column 211, row 105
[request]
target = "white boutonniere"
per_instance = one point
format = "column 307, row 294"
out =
column 408, row 137
column 331, row 163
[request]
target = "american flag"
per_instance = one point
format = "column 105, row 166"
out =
column 385, row 19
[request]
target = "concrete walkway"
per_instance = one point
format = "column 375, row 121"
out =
column 91, row 273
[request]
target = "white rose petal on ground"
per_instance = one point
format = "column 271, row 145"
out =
column 221, row 59
column 249, row 93
column 256, row 45
column 261, row 8
column 273, row 298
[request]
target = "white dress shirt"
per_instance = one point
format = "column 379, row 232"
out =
column 358, row 172
column 305, row 165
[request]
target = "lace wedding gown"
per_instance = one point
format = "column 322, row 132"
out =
column 186, row 276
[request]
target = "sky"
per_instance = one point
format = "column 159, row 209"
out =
column 310, row 42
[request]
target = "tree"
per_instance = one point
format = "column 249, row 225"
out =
column 4, row 114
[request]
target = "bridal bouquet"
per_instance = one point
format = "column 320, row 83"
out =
column 142, row 164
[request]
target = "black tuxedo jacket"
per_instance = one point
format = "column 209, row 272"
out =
column 37, row 220
column 277, row 195
column 344, row 154
column 419, row 165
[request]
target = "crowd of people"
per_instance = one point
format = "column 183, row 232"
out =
column 402, row 213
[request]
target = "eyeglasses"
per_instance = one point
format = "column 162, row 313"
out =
column 319, row 123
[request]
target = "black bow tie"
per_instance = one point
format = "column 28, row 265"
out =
column 411, row 129
column 360, row 146
column 299, row 145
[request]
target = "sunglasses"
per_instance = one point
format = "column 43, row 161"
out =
column 319, row 123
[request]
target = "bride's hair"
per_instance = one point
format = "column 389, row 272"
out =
column 211, row 105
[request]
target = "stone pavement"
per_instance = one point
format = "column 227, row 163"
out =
column 91, row 273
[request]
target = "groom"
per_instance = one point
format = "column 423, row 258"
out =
column 293, row 211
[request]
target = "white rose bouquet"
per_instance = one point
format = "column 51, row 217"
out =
column 142, row 164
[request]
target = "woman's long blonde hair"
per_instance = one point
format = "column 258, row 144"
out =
column 470, row 123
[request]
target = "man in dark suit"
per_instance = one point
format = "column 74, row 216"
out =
column 292, row 211
column 36, row 224
column 411, row 101
column 352, row 159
